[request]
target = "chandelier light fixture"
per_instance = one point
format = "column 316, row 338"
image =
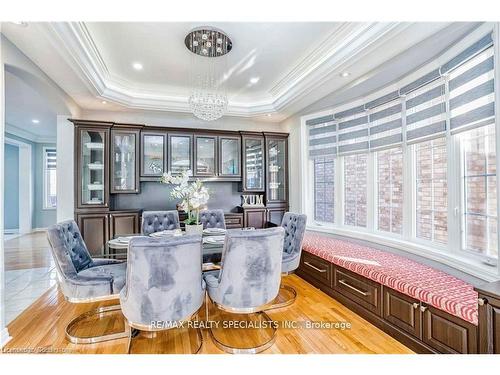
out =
column 208, row 98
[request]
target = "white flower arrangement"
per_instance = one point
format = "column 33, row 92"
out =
column 193, row 195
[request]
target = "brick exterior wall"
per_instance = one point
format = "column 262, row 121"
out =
column 324, row 189
column 355, row 175
column 431, row 191
column 390, row 190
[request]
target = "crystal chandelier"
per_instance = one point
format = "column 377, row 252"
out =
column 208, row 99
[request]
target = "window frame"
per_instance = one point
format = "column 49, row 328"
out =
column 45, row 178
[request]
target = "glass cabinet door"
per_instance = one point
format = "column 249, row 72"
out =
column 123, row 161
column 180, row 153
column 230, row 150
column 92, row 163
column 254, row 164
column 205, row 156
column 276, row 170
column 153, row 160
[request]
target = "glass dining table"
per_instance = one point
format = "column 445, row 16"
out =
column 212, row 248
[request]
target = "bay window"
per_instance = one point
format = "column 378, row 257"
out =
column 390, row 190
column 355, row 173
column 431, row 206
column 324, row 189
column 479, row 191
column 418, row 162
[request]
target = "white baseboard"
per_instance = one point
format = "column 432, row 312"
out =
column 11, row 231
column 4, row 337
column 39, row 230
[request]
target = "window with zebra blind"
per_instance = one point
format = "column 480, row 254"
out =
column 50, row 178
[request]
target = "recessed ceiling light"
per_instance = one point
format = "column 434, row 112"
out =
column 345, row 74
column 137, row 66
column 104, row 102
column 35, row 121
column 20, row 23
column 268, row 115
column 254, row 80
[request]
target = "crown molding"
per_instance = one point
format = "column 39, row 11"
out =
column 347, row 43
column 27, row 135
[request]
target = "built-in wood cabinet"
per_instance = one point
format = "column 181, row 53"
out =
column 180, row 152
column 253, row 158
column 125, row 157
column 229, row 153
column 254, row 217
column 423, row 328
column 276, row 167
column 489, row 318
column 92, row 164
column 97, row 228
column 153, row 158
column 205, row 156
column 403, row 311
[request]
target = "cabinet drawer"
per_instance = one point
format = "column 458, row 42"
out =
column 403, row 312
column 316, row 267
column 448, row 334
column 233, row 221
column 365, row 292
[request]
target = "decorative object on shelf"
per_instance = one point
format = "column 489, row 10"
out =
column 208, row 100
column 194, row 197
column 252, row 200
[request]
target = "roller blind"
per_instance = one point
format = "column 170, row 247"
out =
column 322, row 136
column 353, row 131
column 386, row 125
column 472, row 96
column 426, row 111
column 50, row 159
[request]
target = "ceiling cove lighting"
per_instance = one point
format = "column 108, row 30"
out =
column 209, row 46
column 137, row 66
column 35, row 121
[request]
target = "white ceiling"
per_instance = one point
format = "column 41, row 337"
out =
column 297, row 63
column 22, row 105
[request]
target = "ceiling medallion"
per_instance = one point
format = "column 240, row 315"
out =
column 208, row 99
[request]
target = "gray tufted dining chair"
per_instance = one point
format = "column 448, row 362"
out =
column 295, row 228
column 157, row 221
column 249, row 277
column 83, row 279
column 212, row 219
column 164, row 282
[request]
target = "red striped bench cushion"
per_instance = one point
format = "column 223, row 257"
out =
column 435, row 288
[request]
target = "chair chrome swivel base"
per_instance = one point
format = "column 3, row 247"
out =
column 232, row 343
column 137, row 329
column 100, row 312
column 286, row 295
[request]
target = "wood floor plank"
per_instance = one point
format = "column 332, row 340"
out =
column 41, row 328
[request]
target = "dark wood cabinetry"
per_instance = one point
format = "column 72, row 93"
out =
column 205, row 155
column 254, row 217
column 448, row 334
column 358, row 288
column 253, row 162
column 125, row 158
column 122, row 223
column 423, row 328
column 403, row 311
column 153, row 155
column 94, row 228
column 489, row 318
column 233, row 220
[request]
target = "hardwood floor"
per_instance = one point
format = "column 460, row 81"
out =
column 28, row 251
column 40, row 328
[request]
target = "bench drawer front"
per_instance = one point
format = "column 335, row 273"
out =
column 448, row 334
column 316, row 267
column 364, row 291
column 403, row 312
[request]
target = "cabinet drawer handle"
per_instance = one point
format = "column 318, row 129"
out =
column 353, row 288
column 415, row 305
column 482, row 301
column 314, row 268
column 423, row 308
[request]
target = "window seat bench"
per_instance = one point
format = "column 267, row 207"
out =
column 425, row 308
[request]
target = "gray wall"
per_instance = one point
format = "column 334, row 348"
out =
column 11, row 187
column 41, row 218
column 156, row 196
